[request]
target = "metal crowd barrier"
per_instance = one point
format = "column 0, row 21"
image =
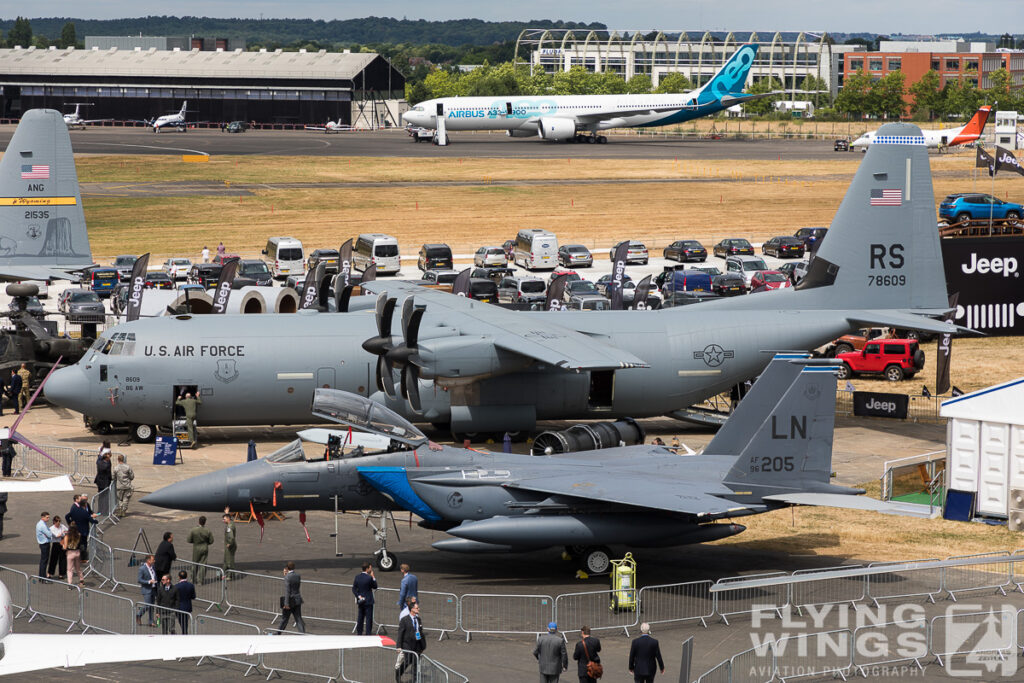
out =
column 904, row 583
column 124, row 571
column 998, row 641
column 441, row 610
column 55, row 599
column 29, row 463
column 318, row 663
column 750, row 600
column 488, row 613
column 910, row 650
column 829, row 591
column 107, row 613
column 595, row 608
column 675, row 602
column 323, row 601
column 254, row 593
column 978, row 577
column 205, row 624
column 814, row 654
column 17, row 586
column 368, row 665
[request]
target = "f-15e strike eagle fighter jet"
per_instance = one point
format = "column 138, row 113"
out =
column 474, row 367
column 775, row 450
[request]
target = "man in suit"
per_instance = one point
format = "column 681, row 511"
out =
column 551, row 655
column 83, row 518
column 166, row 601
column 410, row 638
column 410, row 587
column 291, row 601
column 362, row 588
column 148, row 582
column 165, row 555
column 14, row 389
column 186, row 594
column 643, row 654
column 587, row 650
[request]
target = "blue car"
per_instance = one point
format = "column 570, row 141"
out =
column 959, row 207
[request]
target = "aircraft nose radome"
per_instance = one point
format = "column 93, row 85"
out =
column 68, row 388
column 205, row 493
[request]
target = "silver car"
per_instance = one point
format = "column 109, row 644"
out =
column 575, row 256
column 177, row 268
column 489, row 256
column 81, row 306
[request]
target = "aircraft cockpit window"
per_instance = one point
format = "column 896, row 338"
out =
column 115, row 348
column 291, row 452
column 362, row 413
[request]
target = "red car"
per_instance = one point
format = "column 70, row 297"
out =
column 894, row 358
column 573, row 275
column 769, row 279
column 221, row 260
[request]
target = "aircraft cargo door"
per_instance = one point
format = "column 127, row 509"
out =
column 602, row 390
column 325, row 378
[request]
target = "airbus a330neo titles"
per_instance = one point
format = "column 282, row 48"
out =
column 580, row 117
column 474, row 367
column 775, row 450
column 42, row 227
column 939, row 139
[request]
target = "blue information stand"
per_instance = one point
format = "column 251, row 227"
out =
column 165, row 450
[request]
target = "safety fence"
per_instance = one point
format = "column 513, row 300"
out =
column 980, row 641
column 88, row 610
column 920, row 408
column 78, row 463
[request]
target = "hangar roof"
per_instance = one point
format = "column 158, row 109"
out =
column 184, row 63
column 1000, row 403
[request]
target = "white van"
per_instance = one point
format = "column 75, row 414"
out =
column 536, row 248
column 286, row 256
column 377, row 248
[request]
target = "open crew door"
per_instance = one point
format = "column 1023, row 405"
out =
column 602, row 389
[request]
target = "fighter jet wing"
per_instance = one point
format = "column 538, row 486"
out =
column 511, row 331
column 19, row 273
column 848, row 502
column 634, row 489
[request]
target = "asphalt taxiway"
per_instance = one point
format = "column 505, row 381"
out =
column 396, row 143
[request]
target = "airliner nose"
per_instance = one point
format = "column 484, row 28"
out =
column 68, row 388
column 205, row 493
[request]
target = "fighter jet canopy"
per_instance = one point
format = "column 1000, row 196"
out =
column 361, row 413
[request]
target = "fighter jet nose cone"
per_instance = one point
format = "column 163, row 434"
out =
column 68, row 387
column 205, row 493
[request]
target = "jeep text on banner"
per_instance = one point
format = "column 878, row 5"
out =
column 872, row 404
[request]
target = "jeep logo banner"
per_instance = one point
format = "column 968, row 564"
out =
column 987, row 274
column 871, row 404
column 618, row 275
column 223, row 291
column 136, row 284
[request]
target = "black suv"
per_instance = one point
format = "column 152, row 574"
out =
column 205, row 275
column 811, row 237
column 330, row 257
column 257, row 271
column 435, row 257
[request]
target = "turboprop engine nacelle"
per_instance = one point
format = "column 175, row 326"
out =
column 556, row 129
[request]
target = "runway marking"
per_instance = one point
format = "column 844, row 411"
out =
column 167, row 149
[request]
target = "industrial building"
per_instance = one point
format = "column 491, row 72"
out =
column 789, row 56
column 268, row 87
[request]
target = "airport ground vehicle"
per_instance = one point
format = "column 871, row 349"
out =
column 440, row 276
column 286, row 255
column 205, row 275
column 124, row 264
column 375, row 248
column 685, row 250
column 330, row 258
column 728, row 284
column 103, row 280
column 237, row 127
column 959, row 207
column 897, row 359
column 436, row 257
column 769, row 279
column 841, row 145
column 783, row 247
column 256, row 269
column 536, row 248
column 575, row 255
column 177, row 268
column 811, row 237
column 733, row 247
column 81, row 306
column 489, row 256
column 745, row 266
column 637, row 252
column 418, row 134
column 521, row 290
column 158, row 279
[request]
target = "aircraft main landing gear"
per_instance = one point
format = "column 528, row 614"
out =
column 590, row 139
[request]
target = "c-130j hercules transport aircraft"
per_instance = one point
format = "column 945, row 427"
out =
column 475, row 367
column 775, row 450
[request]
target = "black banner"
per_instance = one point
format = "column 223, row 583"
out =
column 344, row 265
column 370, row 274
column 223, row 291
column 986, row 272
column 984, row 160
column 945, row 351
column 311, row 287
column 1006, row 160
column 640, row 294
column 136, row 284
column 618, row 275
column 555, row 292
column 872, row 404
column 460, row 287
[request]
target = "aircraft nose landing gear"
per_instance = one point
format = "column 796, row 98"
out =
column 385, row 560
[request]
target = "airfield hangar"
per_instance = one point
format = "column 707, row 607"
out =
column 268, row 86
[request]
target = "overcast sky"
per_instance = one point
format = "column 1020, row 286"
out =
column 875, row 16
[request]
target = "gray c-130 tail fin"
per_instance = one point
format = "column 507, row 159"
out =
column 792, row 447
column 42, row 225
column 882, row 250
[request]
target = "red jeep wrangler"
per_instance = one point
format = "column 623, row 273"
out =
column 894, row 358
